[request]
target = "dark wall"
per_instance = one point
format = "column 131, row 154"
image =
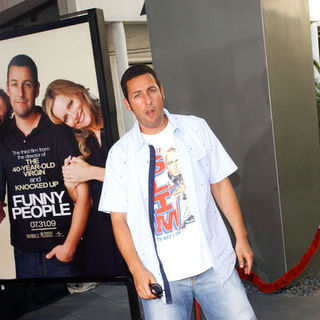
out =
column 294, row 113
column 212, row 57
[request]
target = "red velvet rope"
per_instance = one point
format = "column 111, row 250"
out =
column 293, row 273
column 196, row 310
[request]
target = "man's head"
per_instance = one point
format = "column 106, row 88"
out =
column 22, row 85
column 144, row 97
column 135, row 71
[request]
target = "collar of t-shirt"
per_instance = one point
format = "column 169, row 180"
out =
column 43, row 122
column 160, row 138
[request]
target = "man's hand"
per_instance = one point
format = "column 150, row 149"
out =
column 245, row 255
column 62, row 253
column 2, row 213
column 142, row 278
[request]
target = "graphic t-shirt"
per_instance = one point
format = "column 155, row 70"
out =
column 180, row 243
column 40, row 208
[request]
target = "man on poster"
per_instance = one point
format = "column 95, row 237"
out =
column 189, row 258
column 46, row 226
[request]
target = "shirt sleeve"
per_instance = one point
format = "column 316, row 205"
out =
column 220, row 163
column 114, row 196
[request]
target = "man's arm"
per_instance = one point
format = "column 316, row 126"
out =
column 227, row 200
column 80, row 215
column 142, row 277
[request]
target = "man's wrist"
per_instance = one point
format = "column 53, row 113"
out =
column 136, row 268
column 242, row 237
column 69, row 247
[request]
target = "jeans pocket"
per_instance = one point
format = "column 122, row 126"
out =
column 63, row 263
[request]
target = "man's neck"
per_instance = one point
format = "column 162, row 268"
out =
column 155, row 130
column 27, row 124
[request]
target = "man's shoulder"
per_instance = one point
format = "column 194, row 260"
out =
column 187, row 121
column 52, row 129
column 193, row 129
column 186, row 117
column 61, row 128
column 57, row 129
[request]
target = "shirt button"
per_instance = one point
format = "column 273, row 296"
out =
column 24, row 141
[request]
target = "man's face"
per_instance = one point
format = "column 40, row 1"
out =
column 22, row 90
column 172, row 163
column 145, row 100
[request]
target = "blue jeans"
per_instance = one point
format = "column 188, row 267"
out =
column 228, row 301
column 36, row 265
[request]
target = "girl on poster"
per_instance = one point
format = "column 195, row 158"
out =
column 72, row 104
column 5, row 113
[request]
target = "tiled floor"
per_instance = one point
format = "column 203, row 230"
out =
column 110, row 302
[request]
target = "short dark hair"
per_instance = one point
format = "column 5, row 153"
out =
column 135, row 71
column 23, row 60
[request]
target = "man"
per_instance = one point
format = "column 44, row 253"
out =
column 189, row 260
column 45, row 225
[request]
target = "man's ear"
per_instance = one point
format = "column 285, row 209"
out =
column 37, row 89
column 127, row 104
column 162, row 92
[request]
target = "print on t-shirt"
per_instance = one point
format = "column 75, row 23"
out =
column 172, row 213
column 179, row 240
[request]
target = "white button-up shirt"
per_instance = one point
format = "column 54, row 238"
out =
column 203, row 161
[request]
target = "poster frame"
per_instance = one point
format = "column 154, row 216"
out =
column 97, row 28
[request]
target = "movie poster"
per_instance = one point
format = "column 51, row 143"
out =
column 41, row 208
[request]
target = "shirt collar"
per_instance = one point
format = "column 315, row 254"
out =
column 137, row 135
column 44, row 121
